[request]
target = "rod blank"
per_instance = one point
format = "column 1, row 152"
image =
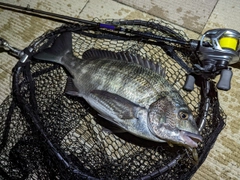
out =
column 45, row 14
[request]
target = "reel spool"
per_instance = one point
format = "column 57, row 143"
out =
column 229, row 42
column 216, row 50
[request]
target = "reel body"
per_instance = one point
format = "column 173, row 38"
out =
column 217, row 49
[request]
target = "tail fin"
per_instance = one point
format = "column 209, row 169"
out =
column 61, row 46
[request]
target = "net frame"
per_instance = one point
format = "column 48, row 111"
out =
column 63, row 165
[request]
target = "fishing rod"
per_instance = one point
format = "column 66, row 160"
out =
column 69, row 19
column 216, row 50
column 44, row 14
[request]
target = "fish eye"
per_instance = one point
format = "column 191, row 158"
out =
column 183, row 115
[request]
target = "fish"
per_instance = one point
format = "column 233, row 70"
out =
column 129, row 91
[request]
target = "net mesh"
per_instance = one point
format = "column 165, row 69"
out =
column 45, row 134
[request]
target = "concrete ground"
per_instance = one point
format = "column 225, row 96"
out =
column 194, row 17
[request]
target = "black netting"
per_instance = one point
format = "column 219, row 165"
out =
column 45, row 134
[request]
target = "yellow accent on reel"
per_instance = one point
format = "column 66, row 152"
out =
column 229, row 42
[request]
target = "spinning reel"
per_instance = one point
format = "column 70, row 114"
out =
column 217, row 49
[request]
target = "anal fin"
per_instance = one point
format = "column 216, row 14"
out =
column 70, row 88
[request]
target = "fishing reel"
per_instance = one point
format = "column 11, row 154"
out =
column 217, row 49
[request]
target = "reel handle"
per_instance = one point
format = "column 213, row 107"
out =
column 225, row 80
column 189, row 83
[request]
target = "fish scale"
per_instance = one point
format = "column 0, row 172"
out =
column 120, row 78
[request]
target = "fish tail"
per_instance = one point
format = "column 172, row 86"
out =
column 59, row 49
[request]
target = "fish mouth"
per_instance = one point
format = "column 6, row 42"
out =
column 190, row 139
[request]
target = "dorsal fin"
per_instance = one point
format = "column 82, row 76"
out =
column 92, row 54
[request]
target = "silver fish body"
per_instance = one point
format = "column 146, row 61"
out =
column 133, row 95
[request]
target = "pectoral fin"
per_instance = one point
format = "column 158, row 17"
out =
column 122, row 107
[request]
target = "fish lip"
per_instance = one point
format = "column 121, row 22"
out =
column 191, row 139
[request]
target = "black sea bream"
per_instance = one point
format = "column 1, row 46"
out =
column 128, row 91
